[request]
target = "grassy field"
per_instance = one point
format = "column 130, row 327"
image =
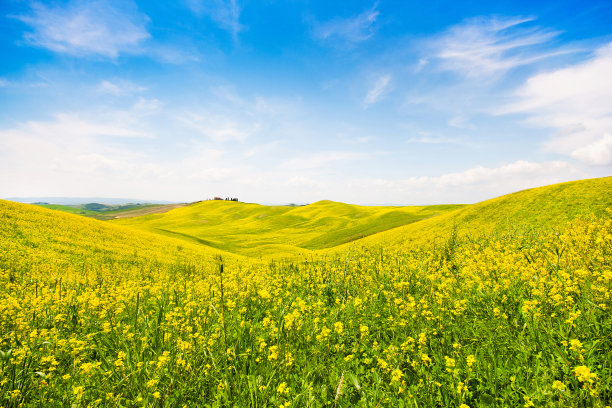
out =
column 110, row 212
column 504, row 303
column 257, row 230
column 541, row 209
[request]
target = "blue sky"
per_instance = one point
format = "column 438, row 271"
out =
column 370, row 102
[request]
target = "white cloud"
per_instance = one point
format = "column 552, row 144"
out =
column 347, row 31
column 119, row 87
column 576, row 102
column 264, row 149
column 72, row 153
column 423, row 62
column 322, row 159
column 226, row 13
column 461, row 121
column 104, row 28
column 147, row 105
column 522, row 170
column 68, row 127
column 599, row 152
column 218, row 128
column 486, row 46
column 378, row 90
column 427, row 139
column 471, row 185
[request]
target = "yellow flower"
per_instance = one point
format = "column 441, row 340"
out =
column 450, row 362
column 461, row 387
column 283, row 388
column 558, row 385
column 273, row 353
column 78, row 392
column 584, row 374
column 576, row 345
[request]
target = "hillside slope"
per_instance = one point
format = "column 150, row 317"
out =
column 254, row 229
column 32, row 237
column 543, row 208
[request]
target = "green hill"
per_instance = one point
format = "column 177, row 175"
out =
column 255, row 230
column 543, row 208
column 32, row 237
column 110, row 212
column 258, row 230
column 98, row 314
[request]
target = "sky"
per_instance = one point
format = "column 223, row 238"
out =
column 295, row 101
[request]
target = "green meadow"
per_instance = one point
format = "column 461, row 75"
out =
column 256, row 230
column 503, row 303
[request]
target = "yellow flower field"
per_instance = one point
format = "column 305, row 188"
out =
column 100, row 315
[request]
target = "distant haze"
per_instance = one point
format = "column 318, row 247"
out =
column 83, row 200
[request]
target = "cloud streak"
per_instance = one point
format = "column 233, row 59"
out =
column 322, row 159
column 87, row 28
column 471, row 185
column 225, row 13
column 486, row 46
column 379, row 89
column 575, row 101
column 347, row 31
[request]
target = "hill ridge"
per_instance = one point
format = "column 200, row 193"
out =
column 254, row 229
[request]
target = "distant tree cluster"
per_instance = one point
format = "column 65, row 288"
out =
column 226, row 198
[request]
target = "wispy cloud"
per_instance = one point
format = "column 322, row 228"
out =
column 485, row 46
column 378, row 90
column 471, row 185
column 347, row 31
column 225, row 13
column 427, row 139
column 478, row 175
column 68, row 126
column 575, row 101
column 119, row 87
column 216, row 127
column 322, row 159
column 86, row 28
column 69, row 149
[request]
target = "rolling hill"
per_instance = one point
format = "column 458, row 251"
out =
column 32, row 237
column 98, row 314
column 255, row 230
column 545, row 208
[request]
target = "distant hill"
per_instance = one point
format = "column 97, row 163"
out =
column 33, row 237
column 111, row 211
column 542, row 208
column 255, row 229
column 84, row 200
